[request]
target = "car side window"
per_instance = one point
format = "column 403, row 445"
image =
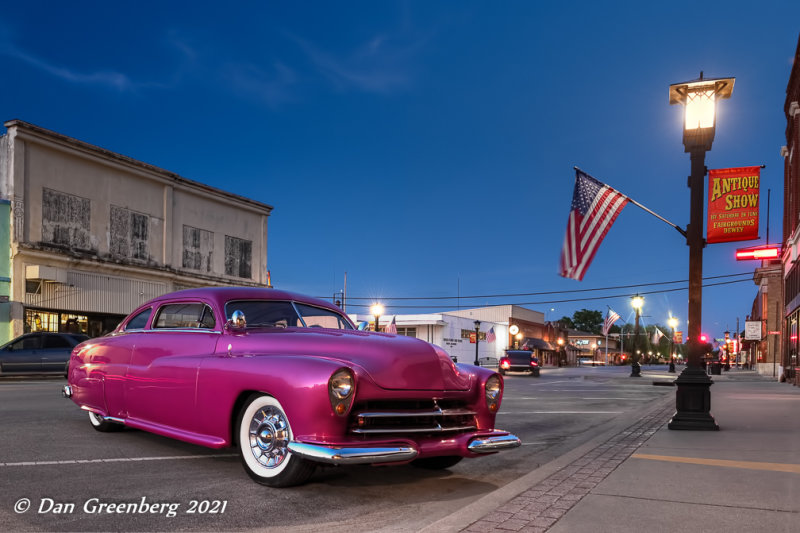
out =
column 139, row 321
column 56, row 341
column 26, row 343
column 185, row 315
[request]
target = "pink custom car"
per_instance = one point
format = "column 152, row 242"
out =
column 288, row 380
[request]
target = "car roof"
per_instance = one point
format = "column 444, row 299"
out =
column 220, row 295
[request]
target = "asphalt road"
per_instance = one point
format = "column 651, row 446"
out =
column 58, row 474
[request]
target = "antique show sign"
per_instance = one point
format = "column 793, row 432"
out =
column 733, row 204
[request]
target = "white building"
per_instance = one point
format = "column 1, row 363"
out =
column 455, row 334
column 93, row 234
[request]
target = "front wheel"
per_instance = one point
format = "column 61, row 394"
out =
column 102, row 424
column 264, row 436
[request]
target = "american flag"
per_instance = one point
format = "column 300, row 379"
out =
column 595, row 206
column 612, row 317
column 490, row 336
column 392, row 328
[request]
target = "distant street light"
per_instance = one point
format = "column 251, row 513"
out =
column 636, row 369
column 673, row 323
column 377, row 311
column 477, row 339
column 699, row 97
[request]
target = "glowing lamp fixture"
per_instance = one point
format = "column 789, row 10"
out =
column 637, row 302
column 672, row 322
column 699, row 97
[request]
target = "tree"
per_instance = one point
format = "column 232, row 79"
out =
column 566, row 322
column 586, row 320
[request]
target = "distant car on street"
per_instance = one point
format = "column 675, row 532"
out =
column 519, row 361
column 41, row 352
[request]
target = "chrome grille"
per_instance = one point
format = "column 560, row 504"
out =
column 403, row 417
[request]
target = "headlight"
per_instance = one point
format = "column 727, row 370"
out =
column 340, row 391
column 494, row 388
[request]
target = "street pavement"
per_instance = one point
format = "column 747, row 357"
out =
column 641, row 476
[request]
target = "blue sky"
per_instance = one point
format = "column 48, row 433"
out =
column 426, row 148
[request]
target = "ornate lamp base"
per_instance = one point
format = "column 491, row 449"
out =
column 693, row 402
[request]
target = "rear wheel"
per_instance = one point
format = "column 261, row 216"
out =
column 264, row 434
column 102, row 424
column 437, row 463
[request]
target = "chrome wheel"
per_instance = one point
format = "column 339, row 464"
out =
column 264, row 437
column 269, row 437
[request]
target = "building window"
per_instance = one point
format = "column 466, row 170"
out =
column 66, row 219
column 128, row 236
column 238, row 254
column 198, row 249
column 408, row 332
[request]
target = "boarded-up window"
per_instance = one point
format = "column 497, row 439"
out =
column 238, row 253
column 198, row 249
column 66, row 219
column 128, row 235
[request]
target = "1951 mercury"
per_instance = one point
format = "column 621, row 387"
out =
column 289, row 381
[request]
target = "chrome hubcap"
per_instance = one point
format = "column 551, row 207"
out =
column 269, row 437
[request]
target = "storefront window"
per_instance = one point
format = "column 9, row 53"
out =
column 74, row 323
column 36, row 320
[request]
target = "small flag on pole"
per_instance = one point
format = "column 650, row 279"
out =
column 595, row 206
column 657, row 335
column 490, row 336
column 610, row 319
column 392, row 328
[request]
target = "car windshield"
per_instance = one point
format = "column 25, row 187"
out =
column 276, row 314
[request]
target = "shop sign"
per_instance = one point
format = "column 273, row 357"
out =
column 733, row 196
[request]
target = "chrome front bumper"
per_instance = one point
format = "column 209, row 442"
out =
column 352, row 456
column 494, row 443
column 342, row 455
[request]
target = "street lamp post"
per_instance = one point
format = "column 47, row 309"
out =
column 636, row 369
column 377, row 311
column 673, row 323
column 693, row 395
column 477, row 339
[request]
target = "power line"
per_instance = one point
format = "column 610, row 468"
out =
column 567, row 300
column 514, row 295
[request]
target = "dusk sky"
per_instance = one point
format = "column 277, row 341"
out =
column 427, row 148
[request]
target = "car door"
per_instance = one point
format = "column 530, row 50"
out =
column 22, row 355
column 161, row 378
column 55, row 353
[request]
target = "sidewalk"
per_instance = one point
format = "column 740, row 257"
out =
column 641, row 476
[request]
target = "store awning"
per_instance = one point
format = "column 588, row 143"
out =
column 531, row 343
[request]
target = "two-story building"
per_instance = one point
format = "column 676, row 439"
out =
column 92, row 234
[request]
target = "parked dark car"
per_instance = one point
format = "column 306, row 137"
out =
column 519, row 361
column 38, row 353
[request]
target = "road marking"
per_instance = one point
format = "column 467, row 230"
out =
column 534, row 443
column 749, row 465
column 626, row 398
column 117, row 460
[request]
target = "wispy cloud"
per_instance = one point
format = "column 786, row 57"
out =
column 379, row 65
column 102, row 78
column 270, row 85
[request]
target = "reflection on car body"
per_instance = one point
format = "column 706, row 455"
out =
column 289, row 381
column 40, row 352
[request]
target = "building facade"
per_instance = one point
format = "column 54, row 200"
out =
column 454, row 334
column 93, row 234
column 791, row 222
column 766, row 355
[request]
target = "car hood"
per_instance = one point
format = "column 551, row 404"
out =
column 392, row 361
